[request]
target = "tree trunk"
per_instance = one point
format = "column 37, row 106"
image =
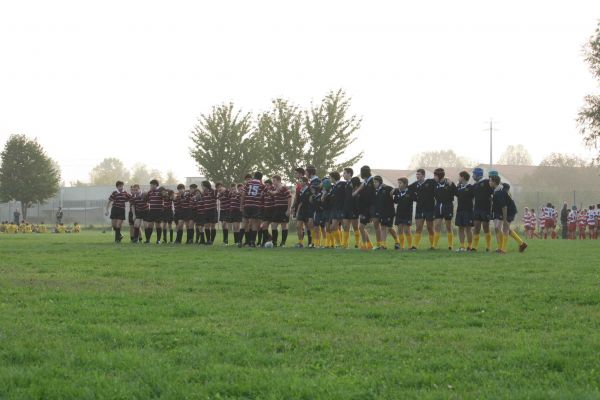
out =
column 23, row 210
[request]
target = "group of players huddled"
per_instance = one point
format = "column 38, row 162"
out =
column 325, row 210
column 577, row 223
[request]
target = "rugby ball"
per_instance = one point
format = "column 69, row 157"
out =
column 269, row 245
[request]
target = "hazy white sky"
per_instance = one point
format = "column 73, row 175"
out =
column 129, row 78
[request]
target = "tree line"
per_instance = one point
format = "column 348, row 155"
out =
column 228, row 143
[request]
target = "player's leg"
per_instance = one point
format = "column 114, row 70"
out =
column 449, row 232
column 419, row 223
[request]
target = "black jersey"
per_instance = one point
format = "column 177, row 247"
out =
column 384, row 204
column 445, row 192
column 464, row 195
column 327, row 200
column 483, row 195
column 338, row 193
column 502, row 198
column 425, row 193
column 317, row 201
column 404, row 203
column 366, row 197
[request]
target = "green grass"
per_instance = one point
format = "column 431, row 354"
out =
column 83, row 318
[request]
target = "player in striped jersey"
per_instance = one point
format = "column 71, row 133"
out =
column 251, row 205
column 528, row 223
column 235, row 215
column 210, row 215
column 130, row 216
column 572, row 223
column 153, row 217
column 266, row 214
column 223, row 202
column 282, row 204
column 591, row 221
column 181, row 204
column 140, row 207
column 167, row 219
column 116, row 203
column 582, row 222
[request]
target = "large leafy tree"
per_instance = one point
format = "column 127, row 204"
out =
column 515, row 155
column 563, row 160
column 440, row 158
column 589, row 115
column 284, row 139
column 108, row 172
column 331, row 129
column 27, row 174
column 225, row 144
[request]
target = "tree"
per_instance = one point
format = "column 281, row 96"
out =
column 108, row 172
column 589, row 115
column 141, row 175
column 284, row 138
column 331, row 130
column 563, row 160
column 225, row 144
column 27, row 174
column 171, row 178
column 440, row 158
column 515, row 155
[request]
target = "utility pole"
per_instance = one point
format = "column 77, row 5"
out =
column 491, row 142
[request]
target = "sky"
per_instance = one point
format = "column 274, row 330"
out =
column 129, row 79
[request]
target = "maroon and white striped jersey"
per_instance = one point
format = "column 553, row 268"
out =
column 281, row 196
column 119, row 198
column 155, row 199
column 253, row 193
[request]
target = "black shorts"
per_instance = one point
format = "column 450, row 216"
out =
column 167, row 216
column 366, row 214
column 185, row 214
column 117, row 213
column 267, row 214
column 279, row 215
column 498, row 216
column 141, row 215
column 252, row 212
column 319, row 218
column 481, row 215
column 223, row 215
column 403, row 220
column 350, row 214
column 198, row 217
column 337, row 214
column 388, row 222
column 464, row 218
column 305, row 213
column 153, row 216
column 445, row 211
column 130, row 217
column 208, row 217
column 327, row 215
column 424, row 214
column 234, row 216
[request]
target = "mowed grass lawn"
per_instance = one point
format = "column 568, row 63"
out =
column 83, row 318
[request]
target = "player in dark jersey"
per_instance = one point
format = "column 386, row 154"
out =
column 464, row 211
column 305, row 212
column 366, row 208
column 223, row 201
column 131, row 216
column 404, row 199
column 384, row 210
column 282, row 206
column 424, row 190
column 299, row 173
column 116, row 203
column 445, row 190
column 503, row 212
column 181, row 202
column 153, row 217
column 210, row 214
column 251, row 199
column 245, row 229
column 327, row 202
column 482, row 209
column 338, row 189
column 350, row 209
column 140, row 208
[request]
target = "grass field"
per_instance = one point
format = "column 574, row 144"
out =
column 83, row 318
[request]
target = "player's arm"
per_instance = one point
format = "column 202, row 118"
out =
column 108, row 204
column 357, row 191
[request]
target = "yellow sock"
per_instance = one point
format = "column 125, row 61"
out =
column 516, row 236
column 470, row 244
column 475, row 241
column 316, row 238
column 345, row 239
column 450, row 236
column 337, row 238
column 369, row 245
column 504, row 242
column 462, row 244
column 417, row 240
column 357, row 238
column 408, row 240
column 488, row 240
column 436, row 239
column 401, row 240
column 499, row 240
column 432, row 241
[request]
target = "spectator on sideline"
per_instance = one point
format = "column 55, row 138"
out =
column 17, row 217
column 59, row 216
column 564, row 217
